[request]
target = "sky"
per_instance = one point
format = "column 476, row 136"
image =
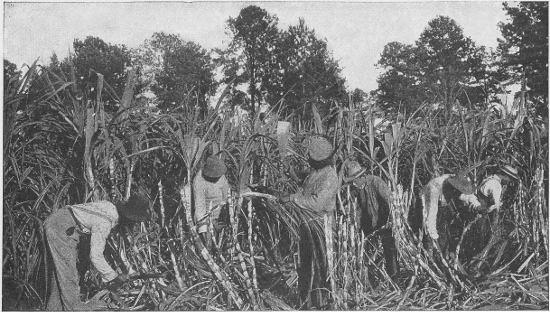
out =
column 356, row 32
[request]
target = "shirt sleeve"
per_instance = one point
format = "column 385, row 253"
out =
column 430, row 202
column 200, row 206
column 384, row 191
column 225, row 189
column 494, row 189
column 100, row 232
column 324, row 192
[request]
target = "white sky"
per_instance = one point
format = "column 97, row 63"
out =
column 356, row 32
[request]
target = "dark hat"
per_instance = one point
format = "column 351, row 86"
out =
column 214, row 167
column 462, row 184
column 352, row 171
column 319, row 148
column 135, row 209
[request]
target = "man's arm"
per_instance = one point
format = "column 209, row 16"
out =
column 430, row 206
column 201, row 217
column 226, row 189
column 100, row 232
column 383, row 190
column 495, row 190
column 324, row 192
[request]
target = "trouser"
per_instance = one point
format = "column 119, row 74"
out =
column 216, row 219
column 65, row 290
column 388, row 243
column 312, row 274
column 390, row 252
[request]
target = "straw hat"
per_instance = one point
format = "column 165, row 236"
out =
column 135, row 209
column 462, row 184
column 352, row 171
column 319, row 148
column 214, row 167
column 510, row 171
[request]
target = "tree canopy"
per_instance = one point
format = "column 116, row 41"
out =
column 442, row 67
column 291, row 68
column 525, row 48
column 173, row 68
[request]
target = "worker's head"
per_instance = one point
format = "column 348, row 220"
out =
column 320, row 152
column 213, row 169
column 352, row 172
column 460, row 187
column 508, row 174
column 461, row 183
column 135, row 209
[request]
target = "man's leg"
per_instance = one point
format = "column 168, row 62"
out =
column 64, row 255
column 306, row 270
column 390, row 252
column 321, row 285
column 54, row 302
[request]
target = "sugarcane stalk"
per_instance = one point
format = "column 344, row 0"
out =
column 112, row 177
column 404, row 243
column 541, row 207
column 129, row 172
column 218, row 273
column 358, row 241
column 161, row 202
column 251, row 248
column 362, row 268
column 408, row 290
column 330, row 249
column 149, row 254
column 247, row 280
column 348, row 252
column 344, row 241
column 234, row 226
column 123, row 256
column 88, row 133
column 181, row 286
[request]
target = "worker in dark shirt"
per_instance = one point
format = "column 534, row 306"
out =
column 317, row 195
column 374, row 198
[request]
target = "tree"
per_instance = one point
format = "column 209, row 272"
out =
column 401, row 86
column 10, row 71
column 358, row 96
column 525, row 48
column 451, row 62
column 293, row 67
column 94, row 56
column 111, row 60
column 176, row 70
column 255, row 35
column 309, row 74
column 443, row 66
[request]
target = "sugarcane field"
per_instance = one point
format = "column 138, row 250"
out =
column 275, row 156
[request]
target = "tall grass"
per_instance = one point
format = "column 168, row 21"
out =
column 60, row 147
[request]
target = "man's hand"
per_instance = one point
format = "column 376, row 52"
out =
column 494, row 207
column 471, row 201
column 284, row 198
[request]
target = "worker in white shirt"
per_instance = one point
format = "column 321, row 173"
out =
column 211, row 192
column 491, row 189
column 490, row 194
column 63, row 229
column 450, row 193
